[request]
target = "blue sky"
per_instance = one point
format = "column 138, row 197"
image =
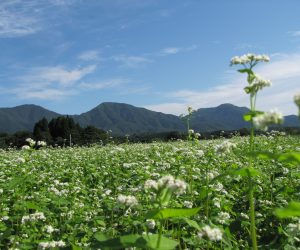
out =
column 71, row 55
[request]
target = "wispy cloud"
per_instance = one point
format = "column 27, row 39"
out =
column 284, row 73
column 295, row 33
column 103, row 84
column 131, row 61
column 176, row 50
column 15, row 22
column 20, row 18
column 90, row 55
column 58, row 75
column 49, row 83
column 42, row 94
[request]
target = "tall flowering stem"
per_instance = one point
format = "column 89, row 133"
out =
column 255, row 83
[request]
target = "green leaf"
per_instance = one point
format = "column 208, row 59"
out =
column 290, row 157
column 192, row 223
column 32, row 205
column 100, row 236
column 131, row 240
column 249, row 71
column 246, row 172
column 101, row 223
column 171, row 212
column 249, row 116
column 74, row 247
column 165, row 243
column 292, row 210
column 134, row 240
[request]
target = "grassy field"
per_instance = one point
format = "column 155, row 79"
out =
column 177, row 195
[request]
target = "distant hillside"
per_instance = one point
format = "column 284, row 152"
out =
column 223, row 117
column 22, row 117
column 127, row 119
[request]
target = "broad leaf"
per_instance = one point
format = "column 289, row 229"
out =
column 171, row 212
column 165, row 243
column 292, row 210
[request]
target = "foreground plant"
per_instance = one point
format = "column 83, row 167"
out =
column 255, row 84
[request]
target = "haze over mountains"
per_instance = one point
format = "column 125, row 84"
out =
column 127, row 119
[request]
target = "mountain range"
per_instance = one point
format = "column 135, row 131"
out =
column 127, row 119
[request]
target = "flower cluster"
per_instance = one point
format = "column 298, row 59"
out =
column 42, row 143
column 25, row 147
column 225, row 147
column 214, row 234
column 249, row 58
column 263, row 121
column 223, row 217
column 51, row 244
column 31, row 142
column 176, row 185
column 150, row 223
column 190, row 110
column 33, row 217
column 127, row 200
column 257, row 84
column 49, row 229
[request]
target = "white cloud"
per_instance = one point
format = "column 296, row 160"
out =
column 20, row 18
column 49, row 83
column 170, row 51
column 284, row 73
column 42, row 94
column 176, row 50
column 294, row 33
column 104, row 84
column 131, row 61
column 15, row 22
column 58, row 75
column 90, row 55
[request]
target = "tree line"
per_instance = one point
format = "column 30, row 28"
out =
column 60, row 131
column 63, row 131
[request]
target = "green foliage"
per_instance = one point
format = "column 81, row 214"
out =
column 292, row 210
column 170, row 213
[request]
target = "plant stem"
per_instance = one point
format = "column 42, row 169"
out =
column 252, row 215
column 250, row 181
column 159, row 234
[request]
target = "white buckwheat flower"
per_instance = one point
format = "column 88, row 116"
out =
column 33, row 217
column 25, row 147
column 214, row 234
column 248, row 58
column 30, row 141
column 190, row 109
column 225, row 147
column 257, row 84
column 263, row 121
column 51, row 244
column 151, row 184
column 175, row 185
column 150, row 223
column 42, row 143
column 127, row 200
column 223, row 217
